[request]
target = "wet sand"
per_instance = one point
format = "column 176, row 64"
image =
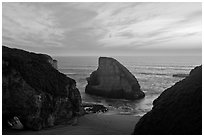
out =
column 90, row 124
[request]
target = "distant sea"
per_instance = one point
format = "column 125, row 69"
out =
column 154, row 75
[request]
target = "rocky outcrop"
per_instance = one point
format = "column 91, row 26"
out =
column 35, row 92
column 113, row 80
column 94, row 108
column 55, row 64
column 178, row 110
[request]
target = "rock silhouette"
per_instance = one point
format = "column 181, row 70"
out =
column 113, row 80
column 177, row 111
column 35, row 92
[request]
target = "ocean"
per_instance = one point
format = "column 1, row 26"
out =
column 154, row 74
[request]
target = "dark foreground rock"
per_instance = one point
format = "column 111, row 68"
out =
column 113, row 80
column 178, row 110
column 35, row 92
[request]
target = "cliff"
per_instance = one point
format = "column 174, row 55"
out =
column 178, row 110
column 113, row 80
column 53, row 62
column 35, row 92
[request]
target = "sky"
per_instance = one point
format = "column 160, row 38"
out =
column 104, row 29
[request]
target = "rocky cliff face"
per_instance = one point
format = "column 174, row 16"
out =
column 113, row 80
column 38, row 94
column 53, row 62
column 55, row 65
column 178, row 110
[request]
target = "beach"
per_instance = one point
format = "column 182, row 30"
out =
column 90, row 124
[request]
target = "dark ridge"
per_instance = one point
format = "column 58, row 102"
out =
column 177, row 111
column 36, row 70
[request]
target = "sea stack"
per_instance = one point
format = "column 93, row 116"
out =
column 113, row 80
column 177, row 111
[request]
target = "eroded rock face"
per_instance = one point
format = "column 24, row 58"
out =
column 113, row 80
column 178, row 110
column 35, row 92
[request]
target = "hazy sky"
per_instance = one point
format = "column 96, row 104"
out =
column 104, row 28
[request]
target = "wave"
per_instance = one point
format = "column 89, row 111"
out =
column 78, row 68
column 180, row 75
column 163, row 67
column 149, row 73
column 70, row 73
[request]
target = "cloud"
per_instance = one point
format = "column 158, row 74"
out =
column 28, row 24
column 149, row 22
column 81, row 27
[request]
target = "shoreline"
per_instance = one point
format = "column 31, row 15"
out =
column 89, row 124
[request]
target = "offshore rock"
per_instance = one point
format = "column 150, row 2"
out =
column 35, row 92
column 177, row 111
column 113, row 80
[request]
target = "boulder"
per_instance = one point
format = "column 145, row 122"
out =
column 177, row 111
column 35, row 92
column 113, row 80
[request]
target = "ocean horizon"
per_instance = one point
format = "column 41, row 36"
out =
column 154, row 74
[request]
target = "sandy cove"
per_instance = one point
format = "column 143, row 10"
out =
column 90, row 124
